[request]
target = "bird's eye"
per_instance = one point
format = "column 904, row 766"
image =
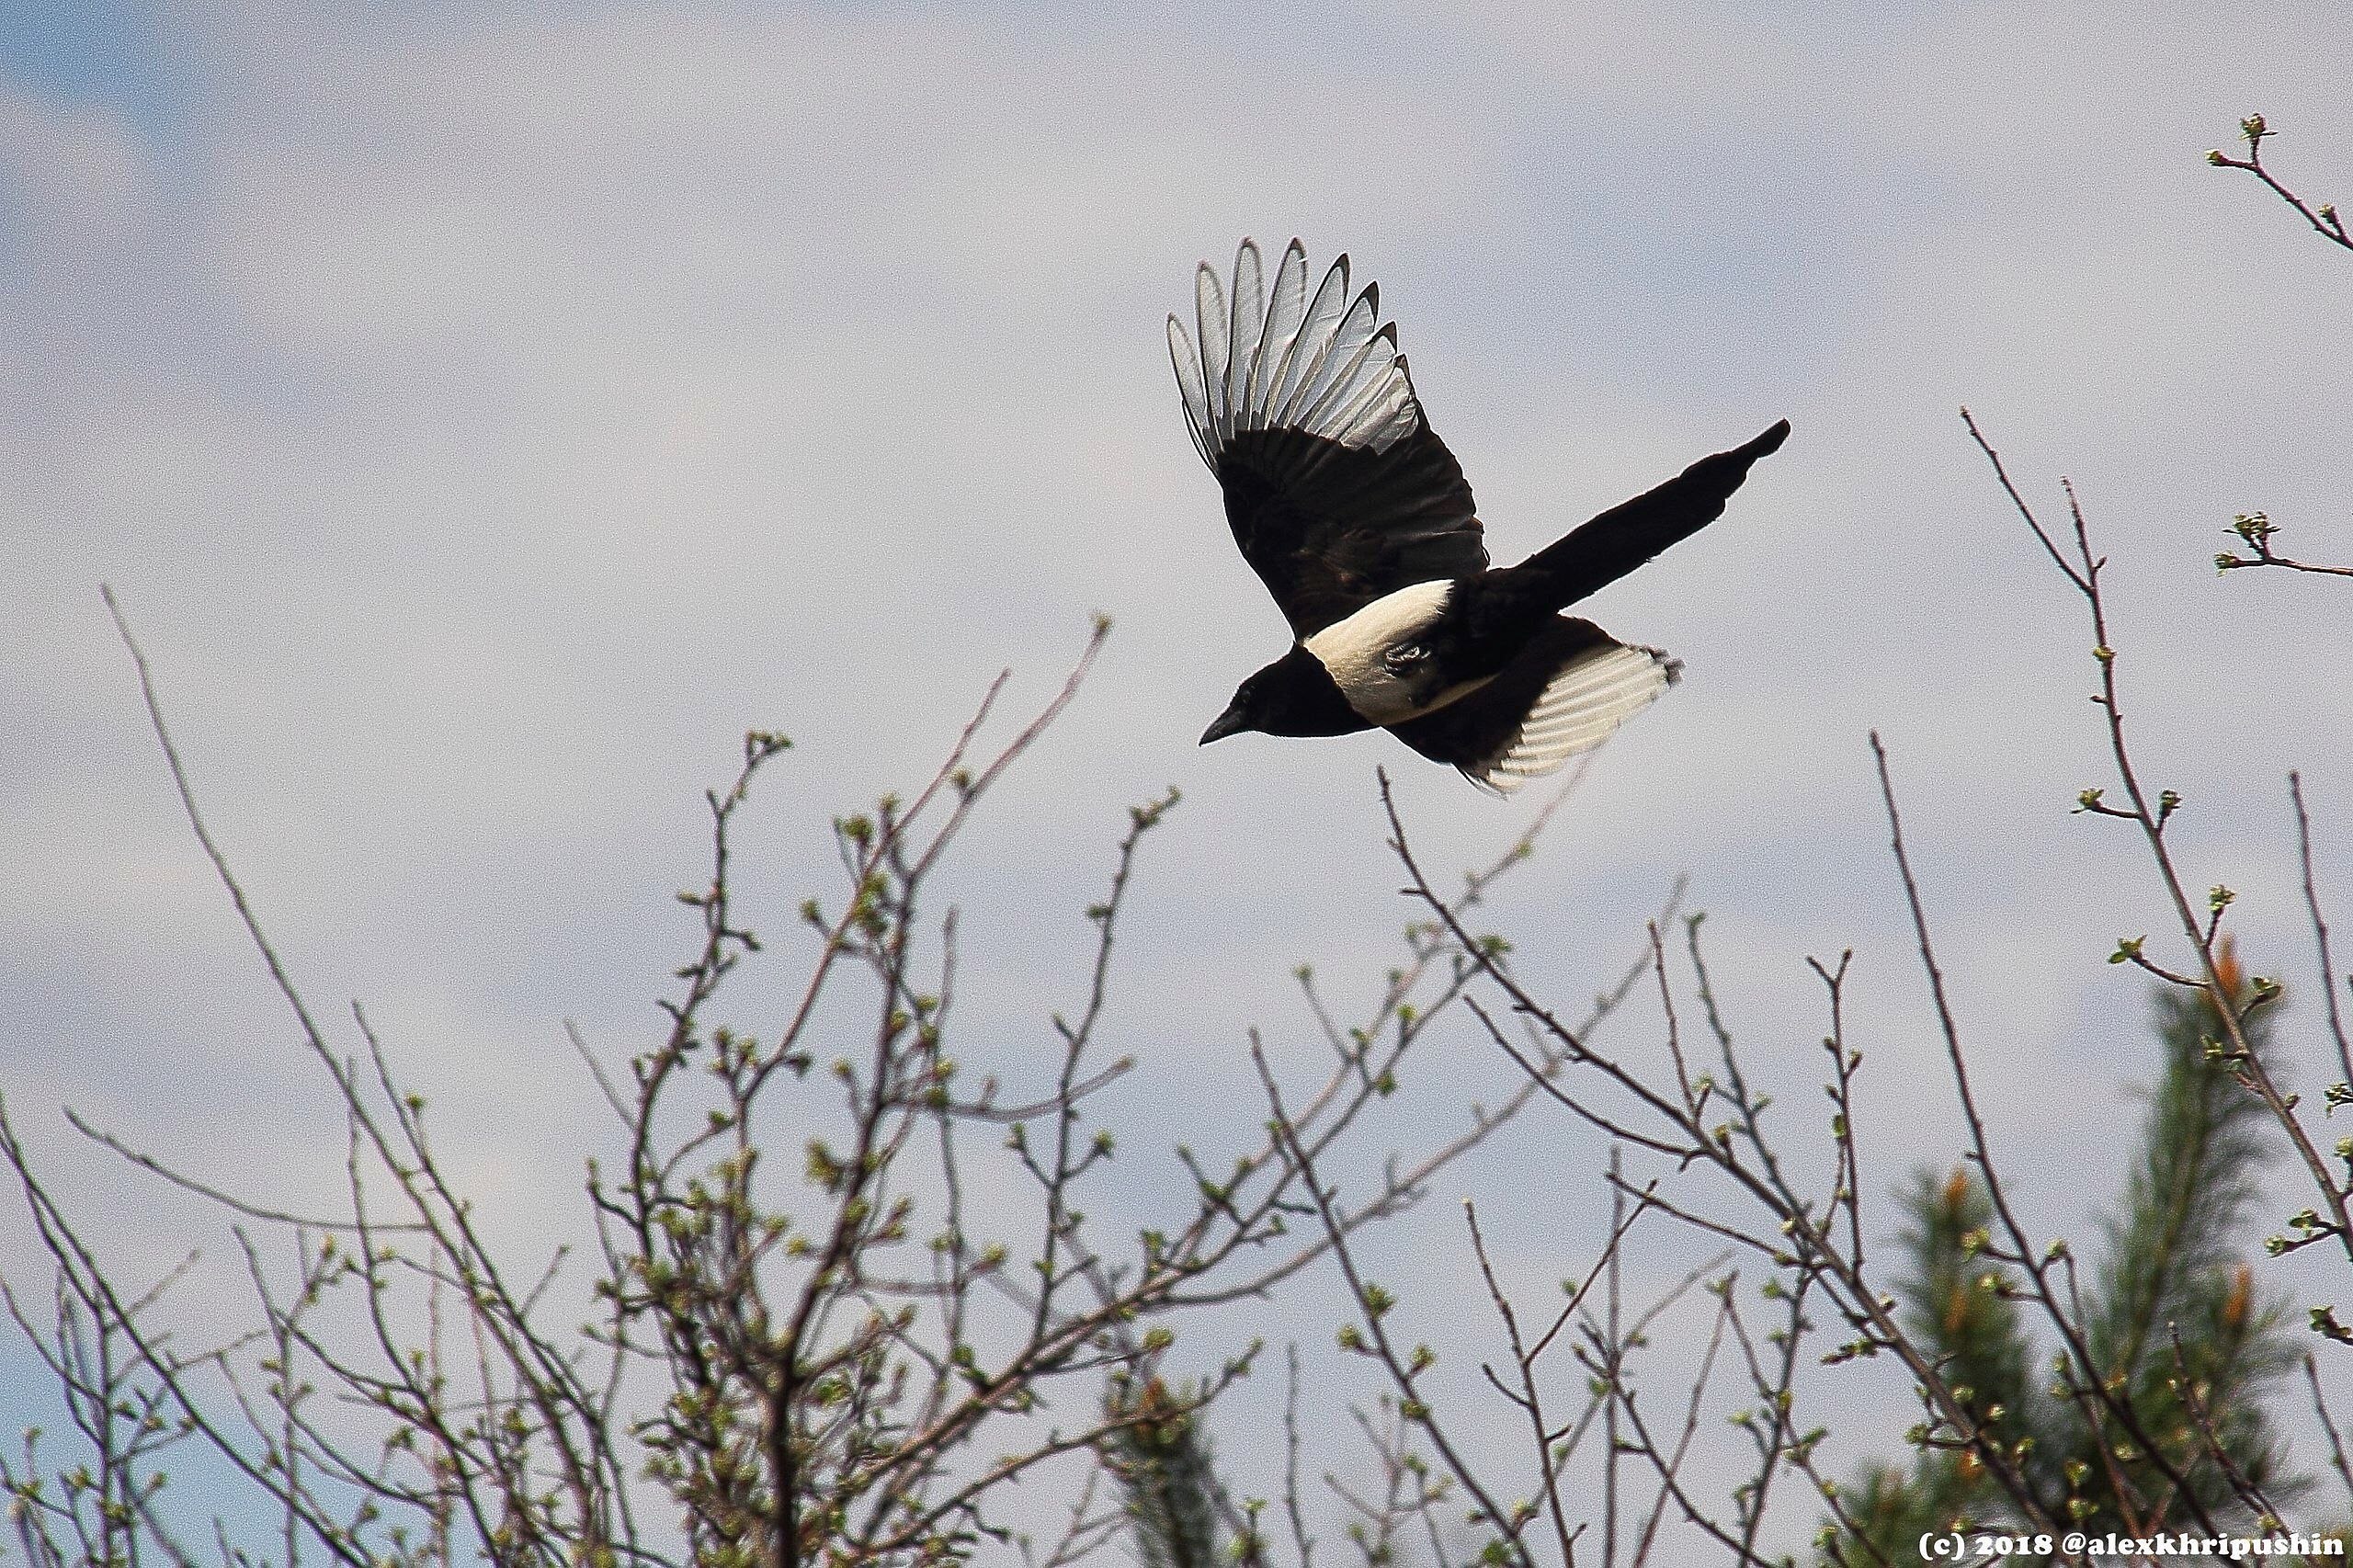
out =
column 1404, row 655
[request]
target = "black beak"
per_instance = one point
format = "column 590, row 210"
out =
column 1230, row 722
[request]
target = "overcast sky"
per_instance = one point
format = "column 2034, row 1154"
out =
column 485, row 420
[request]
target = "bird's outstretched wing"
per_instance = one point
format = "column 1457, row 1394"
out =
column 1566, row 693
column 1338, row 491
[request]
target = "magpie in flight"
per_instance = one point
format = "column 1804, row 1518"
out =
column 1359, row 522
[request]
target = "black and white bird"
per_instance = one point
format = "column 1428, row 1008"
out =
column 1359, row 522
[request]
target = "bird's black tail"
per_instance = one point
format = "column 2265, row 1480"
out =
column 1631, row 532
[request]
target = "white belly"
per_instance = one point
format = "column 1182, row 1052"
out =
column 1353, row 653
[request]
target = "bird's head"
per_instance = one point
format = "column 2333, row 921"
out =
column 1248, row 710
column 1293, row 696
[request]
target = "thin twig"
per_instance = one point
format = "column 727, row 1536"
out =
column 2323, row 219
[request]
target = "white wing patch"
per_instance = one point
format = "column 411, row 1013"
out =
column 1354, row 652
column 1326, row 365
column 1578, row 708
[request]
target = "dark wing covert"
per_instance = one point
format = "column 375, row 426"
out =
column 1337, row 489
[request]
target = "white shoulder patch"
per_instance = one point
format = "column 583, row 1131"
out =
column 1354, row 651
column 1326, row 365
column 1580, row 708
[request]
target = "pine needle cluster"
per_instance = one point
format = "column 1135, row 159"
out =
column 1161, row 1457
